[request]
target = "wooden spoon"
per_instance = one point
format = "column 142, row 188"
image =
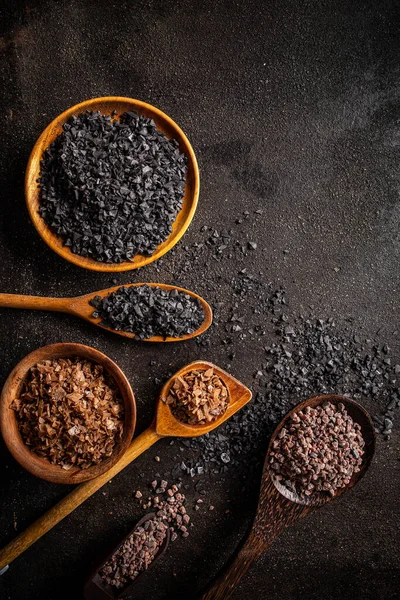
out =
column 81, row 307
column 278, row 507
column 96, row 589
column 164, row 425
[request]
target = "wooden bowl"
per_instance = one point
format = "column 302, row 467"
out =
column 107, row 105
column 9, row 424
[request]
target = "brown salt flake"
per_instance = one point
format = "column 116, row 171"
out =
column 75, row 396
column 73, row 430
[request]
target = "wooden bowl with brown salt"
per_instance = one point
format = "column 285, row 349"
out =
column 13, row 387
column 106, row 105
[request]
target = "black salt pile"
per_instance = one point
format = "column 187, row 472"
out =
column 303, row 357
column 308, row 357
column 112, row 189
column 148, row 311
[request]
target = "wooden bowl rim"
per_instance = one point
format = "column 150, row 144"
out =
column 54, row 241
column 367, row 426
column 41, row 467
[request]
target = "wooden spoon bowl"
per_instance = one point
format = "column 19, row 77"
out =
column 359, row 415
column 107, row 105
column 167, row 424
column 9, row 424
column 278, row 507
column 81, row 307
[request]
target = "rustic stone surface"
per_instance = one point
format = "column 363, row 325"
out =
column 292, row 109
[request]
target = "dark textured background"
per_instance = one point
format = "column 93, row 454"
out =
column 291, row 106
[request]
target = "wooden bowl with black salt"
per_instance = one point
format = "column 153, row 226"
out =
column 135, row 256
column 118, row 414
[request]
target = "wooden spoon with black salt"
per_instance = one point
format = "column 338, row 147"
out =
column 278, row 507
column 80, row 306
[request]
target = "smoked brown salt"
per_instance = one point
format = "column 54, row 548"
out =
column 135, row 555
column 169, row 504
column 319, row 450
column 70, row 412
column 198, row 397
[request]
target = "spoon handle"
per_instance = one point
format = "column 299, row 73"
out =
column 74, row 499
column 229, row 577
column 34, row 302
column 274, row 513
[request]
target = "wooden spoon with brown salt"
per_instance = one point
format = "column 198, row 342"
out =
column 278, row 507
column 164, row 425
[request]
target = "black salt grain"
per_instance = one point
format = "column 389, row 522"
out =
column 112, row 189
